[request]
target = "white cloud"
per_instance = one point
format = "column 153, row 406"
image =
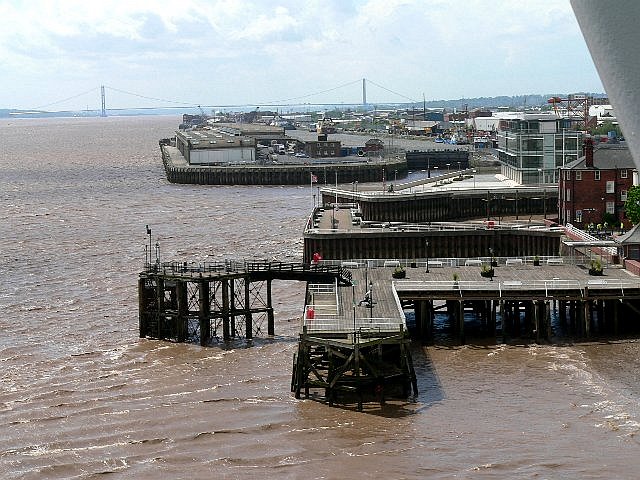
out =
column 253, row 50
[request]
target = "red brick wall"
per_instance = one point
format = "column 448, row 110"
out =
column 589, row 193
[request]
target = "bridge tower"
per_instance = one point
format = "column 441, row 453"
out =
column 364, row 92
column 103, row 112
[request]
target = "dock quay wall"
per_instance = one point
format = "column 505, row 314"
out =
column 280, row 174
column 450, row 206
column 397, row 244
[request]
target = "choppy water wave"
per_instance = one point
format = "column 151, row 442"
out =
column 81, row 396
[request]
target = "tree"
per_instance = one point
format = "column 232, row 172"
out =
column 607, row 127
column 632, row 205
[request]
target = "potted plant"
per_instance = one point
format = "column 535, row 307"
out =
column 399, row 272
column 414, row 264
column 536, row 261
column 595, row 268
column 486, row 271
column 455, row 277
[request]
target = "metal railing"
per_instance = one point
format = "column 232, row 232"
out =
column 435, row 262
column 517, row 285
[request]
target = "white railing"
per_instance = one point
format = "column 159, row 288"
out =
column 589, row 238
column 453, row 261
column 507, row 285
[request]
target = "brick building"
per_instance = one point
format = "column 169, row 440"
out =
column 594, row 187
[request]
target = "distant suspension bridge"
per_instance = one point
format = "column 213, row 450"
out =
column 302, row 100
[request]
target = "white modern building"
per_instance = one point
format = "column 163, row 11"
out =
column 532, row 146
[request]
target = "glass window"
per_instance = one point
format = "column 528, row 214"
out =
column 578, row 175
column 567, row 215
column 579, row 216
column 623, row 174
column 611, row 207
column 596, row 175
column 611, row 186
column 567, row 175
column 623, row 195
column 567, row 195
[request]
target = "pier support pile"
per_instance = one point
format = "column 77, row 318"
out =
column 363, row 367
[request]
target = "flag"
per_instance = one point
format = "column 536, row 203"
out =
column 314, row 178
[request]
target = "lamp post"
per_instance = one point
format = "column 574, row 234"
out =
column 426, row 243
column 370, row 301
column 539, row 176
column 148, row 257
column 474, row 179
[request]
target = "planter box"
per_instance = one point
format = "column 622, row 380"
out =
column 487, row 274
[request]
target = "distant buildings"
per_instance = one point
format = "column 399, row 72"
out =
column 225, row 143
column 593, row 189
column 532, row 146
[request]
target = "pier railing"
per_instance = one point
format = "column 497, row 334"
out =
column 234, row 266
column 436, row 262
column 504, row 286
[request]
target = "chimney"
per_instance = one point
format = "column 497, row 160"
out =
column 587, row 149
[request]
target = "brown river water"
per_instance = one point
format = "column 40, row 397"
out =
column 82, row 397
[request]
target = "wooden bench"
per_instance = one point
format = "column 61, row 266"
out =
column 391, row 263
column 472, row 261
column 513, row 261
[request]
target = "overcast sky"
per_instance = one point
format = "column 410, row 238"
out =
column 222, row 52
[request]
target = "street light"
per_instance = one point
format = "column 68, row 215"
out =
column 149, row 257
column 474, row 179
column 427, row 254
column 540, row 176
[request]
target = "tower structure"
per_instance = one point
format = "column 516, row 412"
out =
column 103, row 112
column 364, row 92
